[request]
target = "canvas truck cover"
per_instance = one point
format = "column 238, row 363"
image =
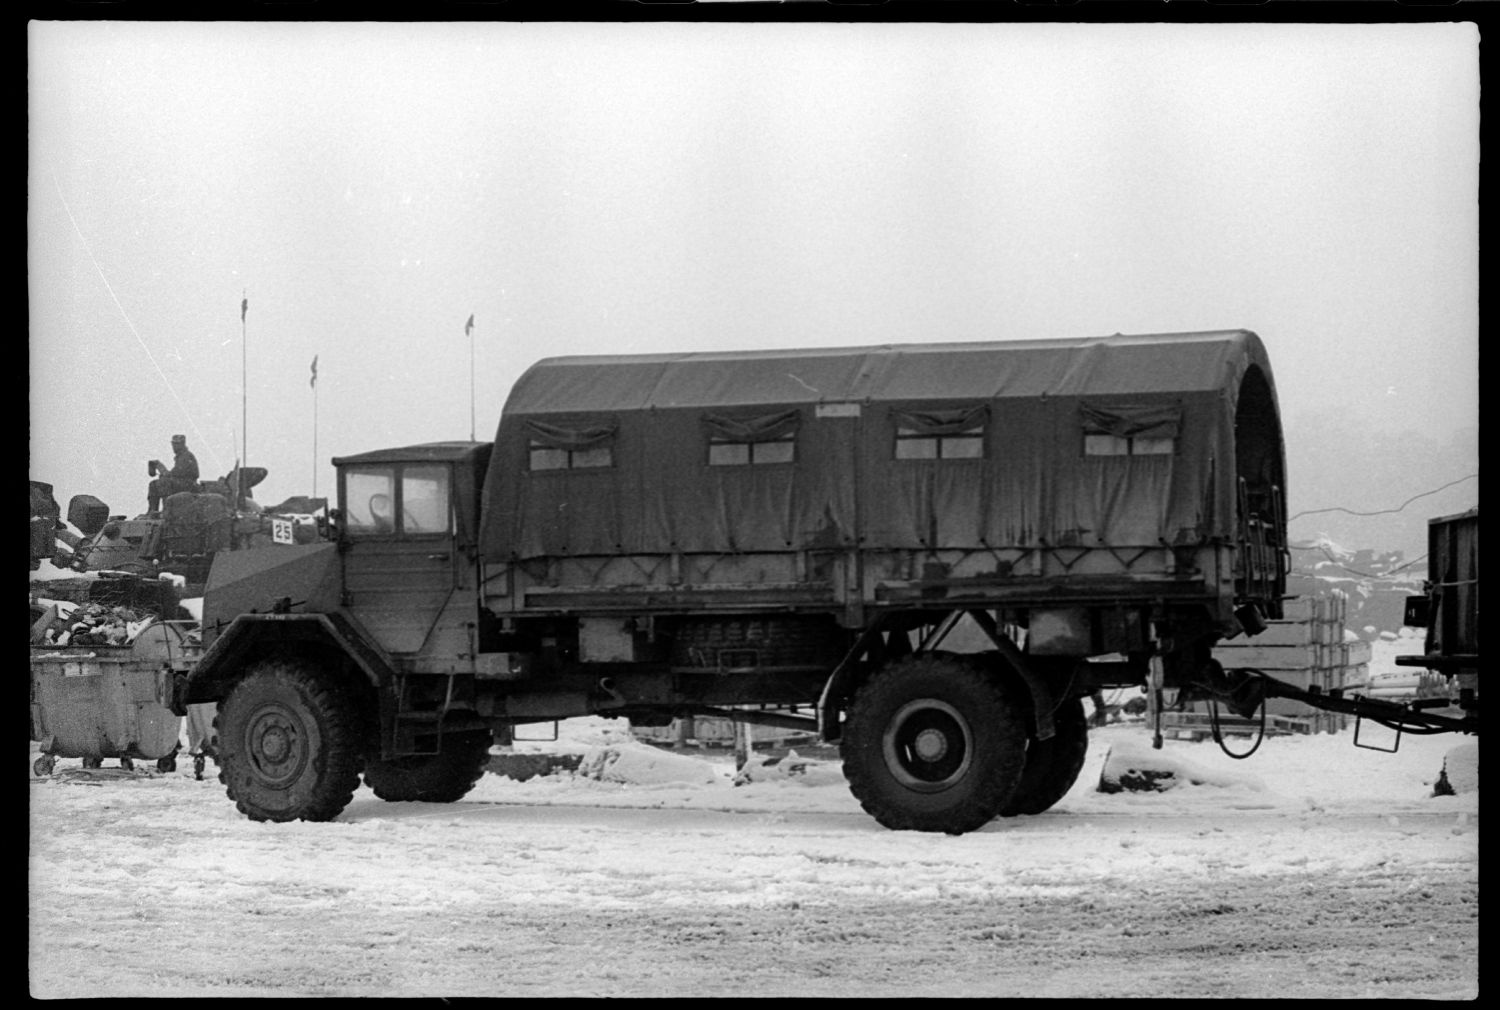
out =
column 967, row 445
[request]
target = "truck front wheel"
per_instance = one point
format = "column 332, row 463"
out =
column 288, row 744
column 932, row 743
column 437, row 778
column 1052, row 765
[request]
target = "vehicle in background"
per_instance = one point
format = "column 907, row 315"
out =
column 1449, row 610
column 192, row 527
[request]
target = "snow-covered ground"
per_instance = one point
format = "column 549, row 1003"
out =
column 1313, row 869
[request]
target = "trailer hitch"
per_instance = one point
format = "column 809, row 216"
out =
column 1248, row 687
column 1412, row 717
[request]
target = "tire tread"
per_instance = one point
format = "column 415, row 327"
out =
column 1052, row 766
column 342, row 759
column 441, row 778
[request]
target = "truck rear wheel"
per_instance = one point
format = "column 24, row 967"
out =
column 288, row 744
column 932, row 743
column 436, row 778
column 1052, row 765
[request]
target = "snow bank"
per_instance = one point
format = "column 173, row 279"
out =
column 641, row 764
column 48, row 572
column 1460, row 772
column 1133, row 767
column 570, row 736
column 792, row 768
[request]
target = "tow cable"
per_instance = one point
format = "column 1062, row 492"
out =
column 1213, row 721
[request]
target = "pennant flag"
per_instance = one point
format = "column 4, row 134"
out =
column 313, row 382
column 244, row 307
column 468, row 326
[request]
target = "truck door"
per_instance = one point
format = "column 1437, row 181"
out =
column 400, row 560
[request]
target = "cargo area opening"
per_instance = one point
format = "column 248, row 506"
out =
column 1261, row 483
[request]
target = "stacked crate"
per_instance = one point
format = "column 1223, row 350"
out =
column 1306, row 648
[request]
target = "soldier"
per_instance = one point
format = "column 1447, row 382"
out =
column 202, row 740
column 183, row 476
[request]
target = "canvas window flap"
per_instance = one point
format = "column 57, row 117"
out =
column 581, row 436
column 941, row 422
column 753, row 428
column 1132, row 420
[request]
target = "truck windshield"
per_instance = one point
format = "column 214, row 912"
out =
column 424, row 499
column 369, row 500
column 396, row 500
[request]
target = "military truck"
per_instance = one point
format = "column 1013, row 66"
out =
column 782, row 537
column 1449, row 608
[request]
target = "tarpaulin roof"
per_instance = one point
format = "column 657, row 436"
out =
column 1118, row 441
column 1113, row 365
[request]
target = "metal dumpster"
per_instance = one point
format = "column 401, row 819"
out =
column 101, row 701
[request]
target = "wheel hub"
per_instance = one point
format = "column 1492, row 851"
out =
column 928, row 745
column 277, row 746
column 274, row 745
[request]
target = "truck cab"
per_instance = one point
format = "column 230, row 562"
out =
column 408, row 557
column 340, row 658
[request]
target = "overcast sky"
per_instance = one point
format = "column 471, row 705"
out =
column 595, row 188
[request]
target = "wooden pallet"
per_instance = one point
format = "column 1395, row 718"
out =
column 1199, row 725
